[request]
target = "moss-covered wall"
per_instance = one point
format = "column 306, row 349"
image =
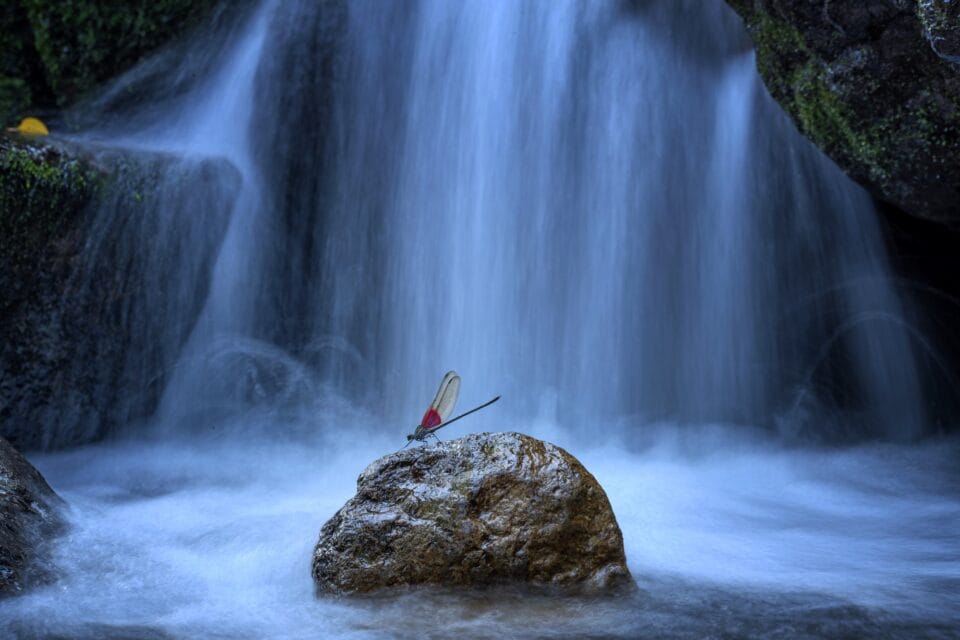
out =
column 861, row 80
column 55, row 51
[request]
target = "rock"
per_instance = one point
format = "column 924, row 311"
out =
column 29, row 517
column 861, row 80
column 44, row 189
column 941, row 26
column 103, row 253
column 487, row 509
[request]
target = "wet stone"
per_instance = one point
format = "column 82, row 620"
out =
column 29, row 518
column 487, row 509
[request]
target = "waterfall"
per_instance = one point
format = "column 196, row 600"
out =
column 593, row 209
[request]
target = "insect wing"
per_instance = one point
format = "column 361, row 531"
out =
column 447, row 395
column 444, row 402
column 431, row 419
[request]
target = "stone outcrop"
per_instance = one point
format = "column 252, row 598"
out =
column 103, row 253
column 486, row 509
column 29, row 517
column 875, row 84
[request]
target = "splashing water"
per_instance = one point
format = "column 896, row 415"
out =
column 212, row 537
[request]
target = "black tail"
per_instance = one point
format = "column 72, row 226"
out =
column 464, row 415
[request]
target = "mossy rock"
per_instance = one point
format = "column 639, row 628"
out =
column 86, row 237
column 863, row 83
column 43, row 190
column 45, row 193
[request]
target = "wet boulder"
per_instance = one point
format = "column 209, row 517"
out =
column 486, row 509
column 29, row 518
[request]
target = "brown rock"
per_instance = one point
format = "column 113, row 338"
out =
column 489, row 508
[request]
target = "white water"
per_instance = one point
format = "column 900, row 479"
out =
column 212, row 537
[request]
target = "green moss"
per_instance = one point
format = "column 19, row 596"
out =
column 776, row 40
column 42, row 191
column 797, row 80
column 895, row 142
column 823, row 117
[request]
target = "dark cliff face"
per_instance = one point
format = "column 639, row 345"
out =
column 874, row 84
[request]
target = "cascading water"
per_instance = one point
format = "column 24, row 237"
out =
column 577, row 203
column 591, row 220
column 592, row 208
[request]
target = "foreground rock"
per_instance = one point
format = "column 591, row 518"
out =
column 876, row 85
column 28, row 519
column 489, row 508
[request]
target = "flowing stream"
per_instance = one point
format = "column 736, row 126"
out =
column 593, row 209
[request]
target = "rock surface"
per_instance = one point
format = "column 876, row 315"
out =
column 874, row 84
column 28, row 519
column 487, row 509
column 90, row 240
column 941, row 26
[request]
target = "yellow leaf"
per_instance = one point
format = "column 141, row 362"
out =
column 32, row 127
